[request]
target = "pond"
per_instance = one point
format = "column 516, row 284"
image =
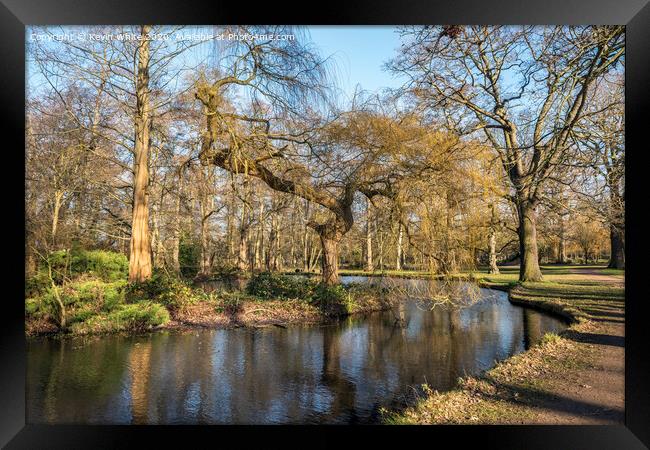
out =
column 335, row 373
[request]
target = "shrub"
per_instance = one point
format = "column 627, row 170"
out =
column 104, row 295
column 189, row 254
column 109, row 266
column 96, row 292
column 82, row 314
column 141, row 315
column 269, row 285
column 37, row 284
column 82, row 299
column 337, row 299
column 34, row 307
column 134, row 317
column 162, row 288
column 229, row 304
column 106, row 265
column 550, row 338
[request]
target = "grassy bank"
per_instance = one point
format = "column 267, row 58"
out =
column 545, row 384
column 85, row 303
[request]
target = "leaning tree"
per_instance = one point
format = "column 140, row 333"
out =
column 325, row 160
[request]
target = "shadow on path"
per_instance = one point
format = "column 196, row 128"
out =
column 597, row 339
column 542, row 400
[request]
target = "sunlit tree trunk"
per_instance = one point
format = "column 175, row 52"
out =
column 156, row 241
column 140, row 251
column 398, row 263
column 493, row 269
column 369, row 265
column 56, row 211
column 529, row 261
column 176, row 241
column 272, row 254
column 205, row 266
column 561, row 253
column 242, row 254
column 330, row 259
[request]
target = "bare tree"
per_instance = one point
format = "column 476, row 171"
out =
column 482, row 76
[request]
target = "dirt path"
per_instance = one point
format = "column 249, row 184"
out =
column 595, row 393
column 595, row 275
column 577, row 378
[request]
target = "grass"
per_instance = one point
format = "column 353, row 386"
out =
column 499, row 395
column 507, row 275
column 513, row 389
column 134, row 317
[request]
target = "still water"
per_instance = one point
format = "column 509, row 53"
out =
column 336, row 373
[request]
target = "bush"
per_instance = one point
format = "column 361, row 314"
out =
column 164, row 289
column 106, row 265
column 103, row 295
column 274, row 286
column 135, row 317
column 141, row 315
column 82, row 299
column 34, row 307
column 37, row 284
column 336, row 299
column 82, row 314
column 109, row 266
column 96, row 292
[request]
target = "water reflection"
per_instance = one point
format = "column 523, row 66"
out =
column 339, row 373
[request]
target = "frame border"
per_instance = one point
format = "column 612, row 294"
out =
column 16, row 15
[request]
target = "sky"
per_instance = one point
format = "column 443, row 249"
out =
column 359, row 53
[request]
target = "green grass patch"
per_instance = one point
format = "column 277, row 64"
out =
column 134, row 317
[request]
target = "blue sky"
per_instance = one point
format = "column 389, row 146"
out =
column 359, row 53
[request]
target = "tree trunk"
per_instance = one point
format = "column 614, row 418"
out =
column 244, row 230
column 230, row 229
column 494, row 269
column 176, row 242
column 140, row 257
column 529, row 262
column 398, row 264
column 272, row 257
column 492, row 242
column 259, row 238
column 617, row 248
column 204, row 270
column 58, row 197
column 330, row 259
column 242, row 259
column 369, row 265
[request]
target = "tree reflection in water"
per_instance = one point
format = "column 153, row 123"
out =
column 336, row 373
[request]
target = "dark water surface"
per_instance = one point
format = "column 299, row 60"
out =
column 337, row 373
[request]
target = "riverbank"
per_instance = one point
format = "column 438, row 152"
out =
column 574, row 378
column 268, row 300
column 255, row 312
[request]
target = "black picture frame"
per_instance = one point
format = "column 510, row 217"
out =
column 16, row 14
